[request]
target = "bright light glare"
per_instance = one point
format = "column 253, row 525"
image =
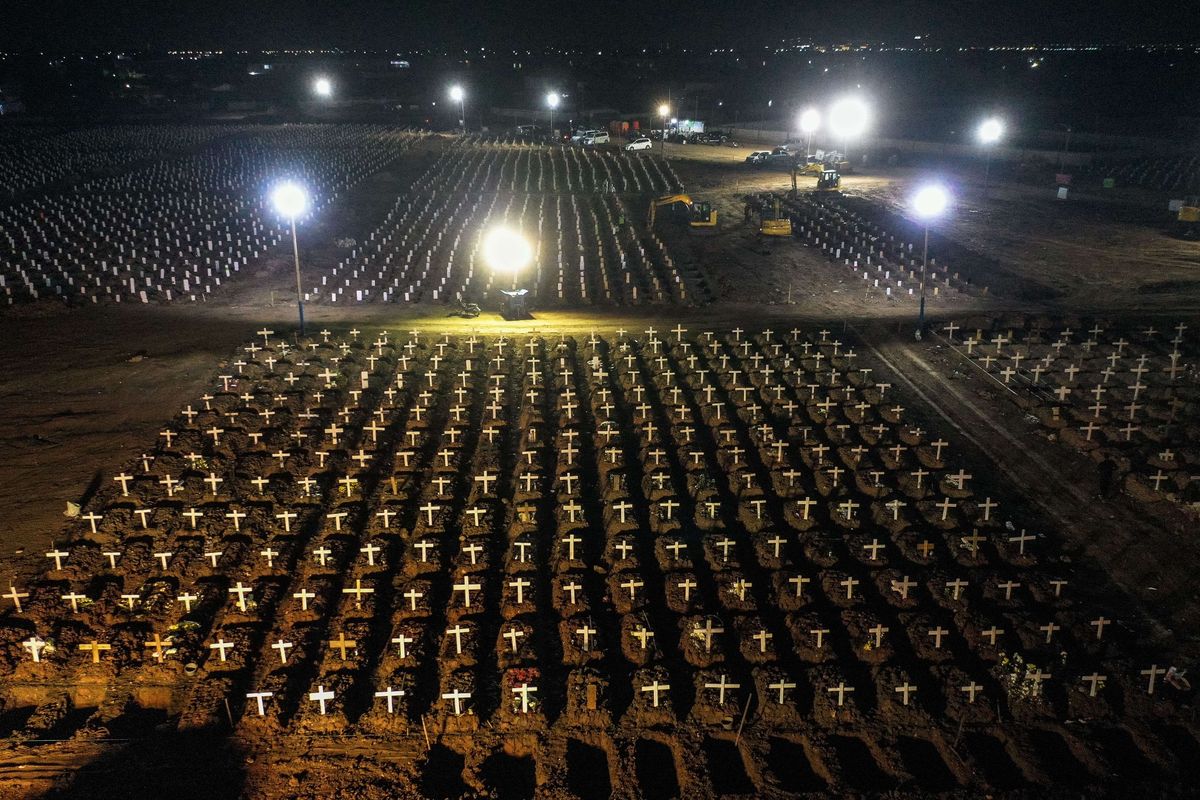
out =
column 664, row 110
column 552, row 99
column 990, row 131
column 457, row 94
column 810, row 120
column 323, row 87
column 849, row 117
column 930, row 201
column 289, row 199
column 506, row 250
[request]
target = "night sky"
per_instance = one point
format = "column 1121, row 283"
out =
column 92, row 25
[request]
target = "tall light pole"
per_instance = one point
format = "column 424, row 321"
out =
column 664, row 111
column 552, row 100
column 848, row 119
column 928, row 203
column 810, row 120
column 291, row 200
column 458, row 95
column 989, row 132
column 1062, row 157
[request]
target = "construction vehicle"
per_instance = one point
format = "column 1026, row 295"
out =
column 829, row 179
column 700, row 214
column 1187, row 221
column 772, row 220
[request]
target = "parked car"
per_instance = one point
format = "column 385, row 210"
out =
column 595, row 138
column 758, row 157
column 641, row 143
column 712, row 138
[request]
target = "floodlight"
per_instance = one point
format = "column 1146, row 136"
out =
column 664, row 110
column 506, row 250
column 848, row 118
column 990, row 131
column 930, row 201
column 290, row 199
column 323, row 87
column 457, row 94
column 552, row 100
column 810, row 120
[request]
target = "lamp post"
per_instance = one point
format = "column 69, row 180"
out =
column 322, row 87
column 291, row 200
column 810, row 120
column 928, row 203
column 848, row 119
column 552, row 100
column 989, row 132
column 459, row 96
column 664, row 111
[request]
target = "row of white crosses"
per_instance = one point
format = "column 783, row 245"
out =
column 428, row 248
column 1178, row 175
column 267, row 555
column 1125, row 390
column 181, row 227
column 39, row 158
column 353, row 591
column 521, row 168
column 881, row 261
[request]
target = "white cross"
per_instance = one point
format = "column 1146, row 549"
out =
column 16, row 597
column 34, row 645
column 58, row 556
column 321, row 696
column 390, row 695
column 722, row 687
column 781, row 687
column 220, row 645
column 520, row 584
column 466, row 587
column 655, row 688
column 241, row 591
column 283, row 648
column 524, row 690
column 840, row 690
column 402, row 642
column 260, row 697
column 1153, row 672
column 456, row 697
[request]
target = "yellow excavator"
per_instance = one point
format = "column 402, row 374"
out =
column 772, row 220
column 1187, row 223
column 700, row 214
column 829, row 179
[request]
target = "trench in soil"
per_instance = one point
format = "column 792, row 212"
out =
column 587, row 771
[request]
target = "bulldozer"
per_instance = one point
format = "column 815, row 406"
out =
column 1187, row 221
column 700, row 214
column 772, row 221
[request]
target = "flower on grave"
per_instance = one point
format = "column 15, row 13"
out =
column 185, row 626
column 520, row 675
